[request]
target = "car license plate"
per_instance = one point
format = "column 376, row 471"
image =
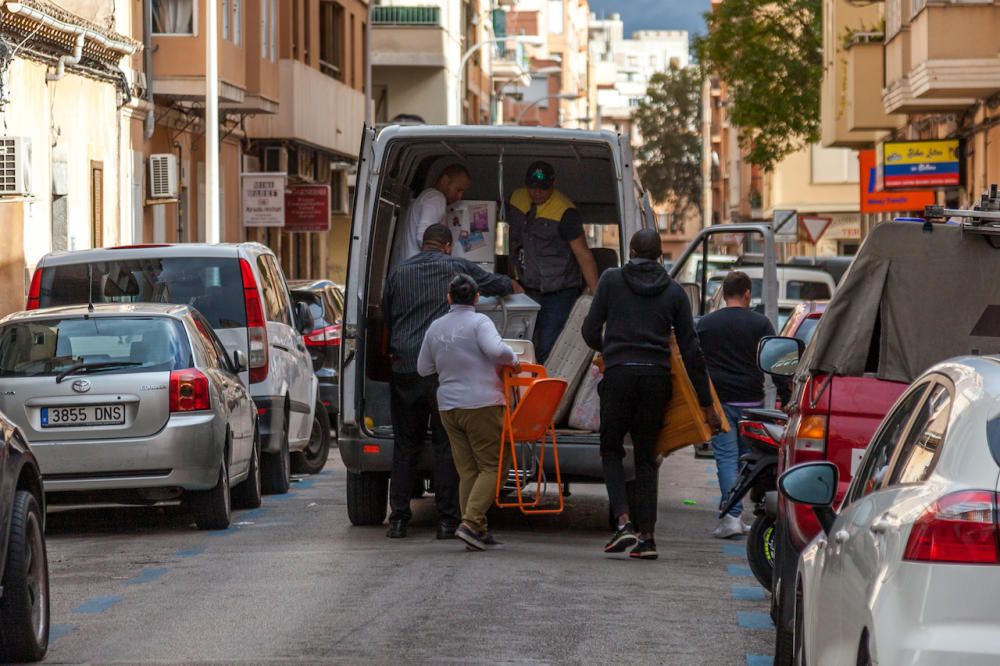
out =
column 89, row 415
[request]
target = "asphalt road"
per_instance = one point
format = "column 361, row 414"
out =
column 294, row 581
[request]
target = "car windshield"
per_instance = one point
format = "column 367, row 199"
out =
column 46, row 347
column 212, row 285
column 806, row 329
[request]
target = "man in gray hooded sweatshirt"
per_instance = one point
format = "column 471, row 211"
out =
column 630, row 321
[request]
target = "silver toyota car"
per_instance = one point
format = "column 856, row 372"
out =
column 132, row 403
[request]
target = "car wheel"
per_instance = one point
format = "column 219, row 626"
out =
column 276, row 471
column 247, row 495
column 213, row 508
column 367, row 494
column 313, row 459
column 24, row 606
column 864, row 651
column 760, row 550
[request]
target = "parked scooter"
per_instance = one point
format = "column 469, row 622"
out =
column 758, row 475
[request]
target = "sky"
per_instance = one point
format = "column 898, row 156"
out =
column 656, row 14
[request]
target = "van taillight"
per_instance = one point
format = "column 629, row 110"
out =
column 811, row 434
column 35, row 292
column 960, row 528
column 189, row 391
column 256, row 326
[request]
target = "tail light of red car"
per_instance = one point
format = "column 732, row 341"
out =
column 35, row 291
column 810, row 438
column 328, row 336
column 256, row 326
column 756, row 431
column 189, row 391
column 959, row 528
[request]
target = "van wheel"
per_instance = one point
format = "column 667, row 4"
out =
column 213, row 508
column 276, row 472
column 313, row 459
column 247, row 495
column 367, row 494
column 24, row 606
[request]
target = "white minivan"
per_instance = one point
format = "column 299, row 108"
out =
column 241, row 291
column 594, row 169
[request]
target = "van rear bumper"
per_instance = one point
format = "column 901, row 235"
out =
column 579, row 457
column 270, row 422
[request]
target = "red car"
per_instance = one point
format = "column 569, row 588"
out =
column 911, row 299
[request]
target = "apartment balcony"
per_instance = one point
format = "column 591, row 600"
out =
column 408, row 37
column 315, row 110
column 863, row 101
column 954, row 49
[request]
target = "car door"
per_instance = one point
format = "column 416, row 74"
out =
column 852, row 559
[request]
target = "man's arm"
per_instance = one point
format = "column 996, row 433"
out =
column 432, row 212
column 490, row 284
column 690, row 347
column 492, row 345
column 425, row 360
column 593, row 323
column 585, row 259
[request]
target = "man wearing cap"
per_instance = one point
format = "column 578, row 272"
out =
column 549, row 252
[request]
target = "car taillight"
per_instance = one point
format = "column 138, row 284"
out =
column 189, row 391
column 35, row 291
column 811, row 434
column 328, row 336
column 757, row 431
column 256, row 326
column 960, row 528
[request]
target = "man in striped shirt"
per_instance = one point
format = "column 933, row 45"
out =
column 415, row 295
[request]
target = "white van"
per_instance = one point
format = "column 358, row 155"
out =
column 594, row 169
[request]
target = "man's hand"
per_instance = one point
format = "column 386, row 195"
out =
column 518, row 289
column 712, row 419
column 516, row 368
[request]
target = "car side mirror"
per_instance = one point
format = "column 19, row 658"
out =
column 813, row 484
column 778, row 356
column 304, row 318
column 240, row 360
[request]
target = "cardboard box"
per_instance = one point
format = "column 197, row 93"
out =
column 684, row 423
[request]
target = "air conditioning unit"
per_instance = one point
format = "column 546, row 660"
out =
column 15, row 161
column 163, row 176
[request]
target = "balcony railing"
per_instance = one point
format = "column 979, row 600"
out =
column 405, row 16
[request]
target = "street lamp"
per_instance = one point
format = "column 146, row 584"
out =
column 531, row 40
column 525, row 110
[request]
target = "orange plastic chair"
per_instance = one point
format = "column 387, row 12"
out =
column 532, row 400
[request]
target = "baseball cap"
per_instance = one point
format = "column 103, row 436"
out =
column 540, row 175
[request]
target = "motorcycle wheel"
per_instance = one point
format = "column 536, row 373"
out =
column 760, row 549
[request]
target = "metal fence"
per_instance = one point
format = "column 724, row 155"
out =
column 406, row 15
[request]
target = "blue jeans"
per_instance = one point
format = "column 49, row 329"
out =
column 727, row 448
column 556, row 308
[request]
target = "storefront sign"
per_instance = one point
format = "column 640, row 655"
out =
column 900, row 201
column 307, row 208
column 845, row 226
column 263, row 199
column 920, row 164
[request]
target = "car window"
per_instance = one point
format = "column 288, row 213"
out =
column 880, row 450
column 336, row 304
column 806, row 329
column 276, row 306
column 806, row 291
column 43, row 347
column 315, row 303
column 212, row 285
column 217, row 350
column 916, row 455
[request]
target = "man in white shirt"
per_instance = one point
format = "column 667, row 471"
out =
column 430, row 208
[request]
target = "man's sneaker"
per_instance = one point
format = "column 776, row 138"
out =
column 644, row 550
column 490, row 542
column 471, row 538
column 728, row 527
column 622, row 540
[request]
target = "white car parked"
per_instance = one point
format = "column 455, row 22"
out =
column 908, row 570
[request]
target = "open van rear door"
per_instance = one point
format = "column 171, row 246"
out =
column 357, row 261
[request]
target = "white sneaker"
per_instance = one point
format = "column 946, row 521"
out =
column 728, row 527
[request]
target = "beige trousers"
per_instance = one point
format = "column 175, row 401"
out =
column 475, row 446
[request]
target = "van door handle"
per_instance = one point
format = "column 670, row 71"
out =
column 281, row 347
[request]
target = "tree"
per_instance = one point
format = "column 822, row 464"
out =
column 771, row 56
column 669, row 121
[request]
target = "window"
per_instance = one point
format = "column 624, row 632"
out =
column 276, row 301
column 265, row 29
column 173, row 17
column 913, row 464
column 97, row 204
column 331, row 39
column 880, row 451
column 663, row 221
column 806, row 291
column 219, row 357
column 238, row 22
column 274, row 30
column 834, row 165
column 224, row 15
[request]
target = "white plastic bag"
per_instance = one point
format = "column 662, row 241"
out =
column 586, row 412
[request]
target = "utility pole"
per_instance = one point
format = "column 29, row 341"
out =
column 706, row 153
column 212, row 222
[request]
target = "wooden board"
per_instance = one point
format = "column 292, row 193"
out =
column 684, row 423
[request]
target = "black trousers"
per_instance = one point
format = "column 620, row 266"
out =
column 633, row 401
column 413, row 403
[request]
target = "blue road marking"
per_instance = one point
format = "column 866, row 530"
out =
column 738, row 549
column 97, row 604
column 190, row 552
column 304, row 484
column 57, row 631
column 741, row 593
column 279, row 498
column 252, row 513
column 221, row 533
column 754, row 620
column 759, row 660
column 738, row 570
column 147, row 576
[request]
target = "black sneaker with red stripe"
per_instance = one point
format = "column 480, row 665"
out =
column 644, row 550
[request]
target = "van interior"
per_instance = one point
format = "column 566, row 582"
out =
column 586, row 172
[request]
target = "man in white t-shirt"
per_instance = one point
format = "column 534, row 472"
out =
column 430, row 208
